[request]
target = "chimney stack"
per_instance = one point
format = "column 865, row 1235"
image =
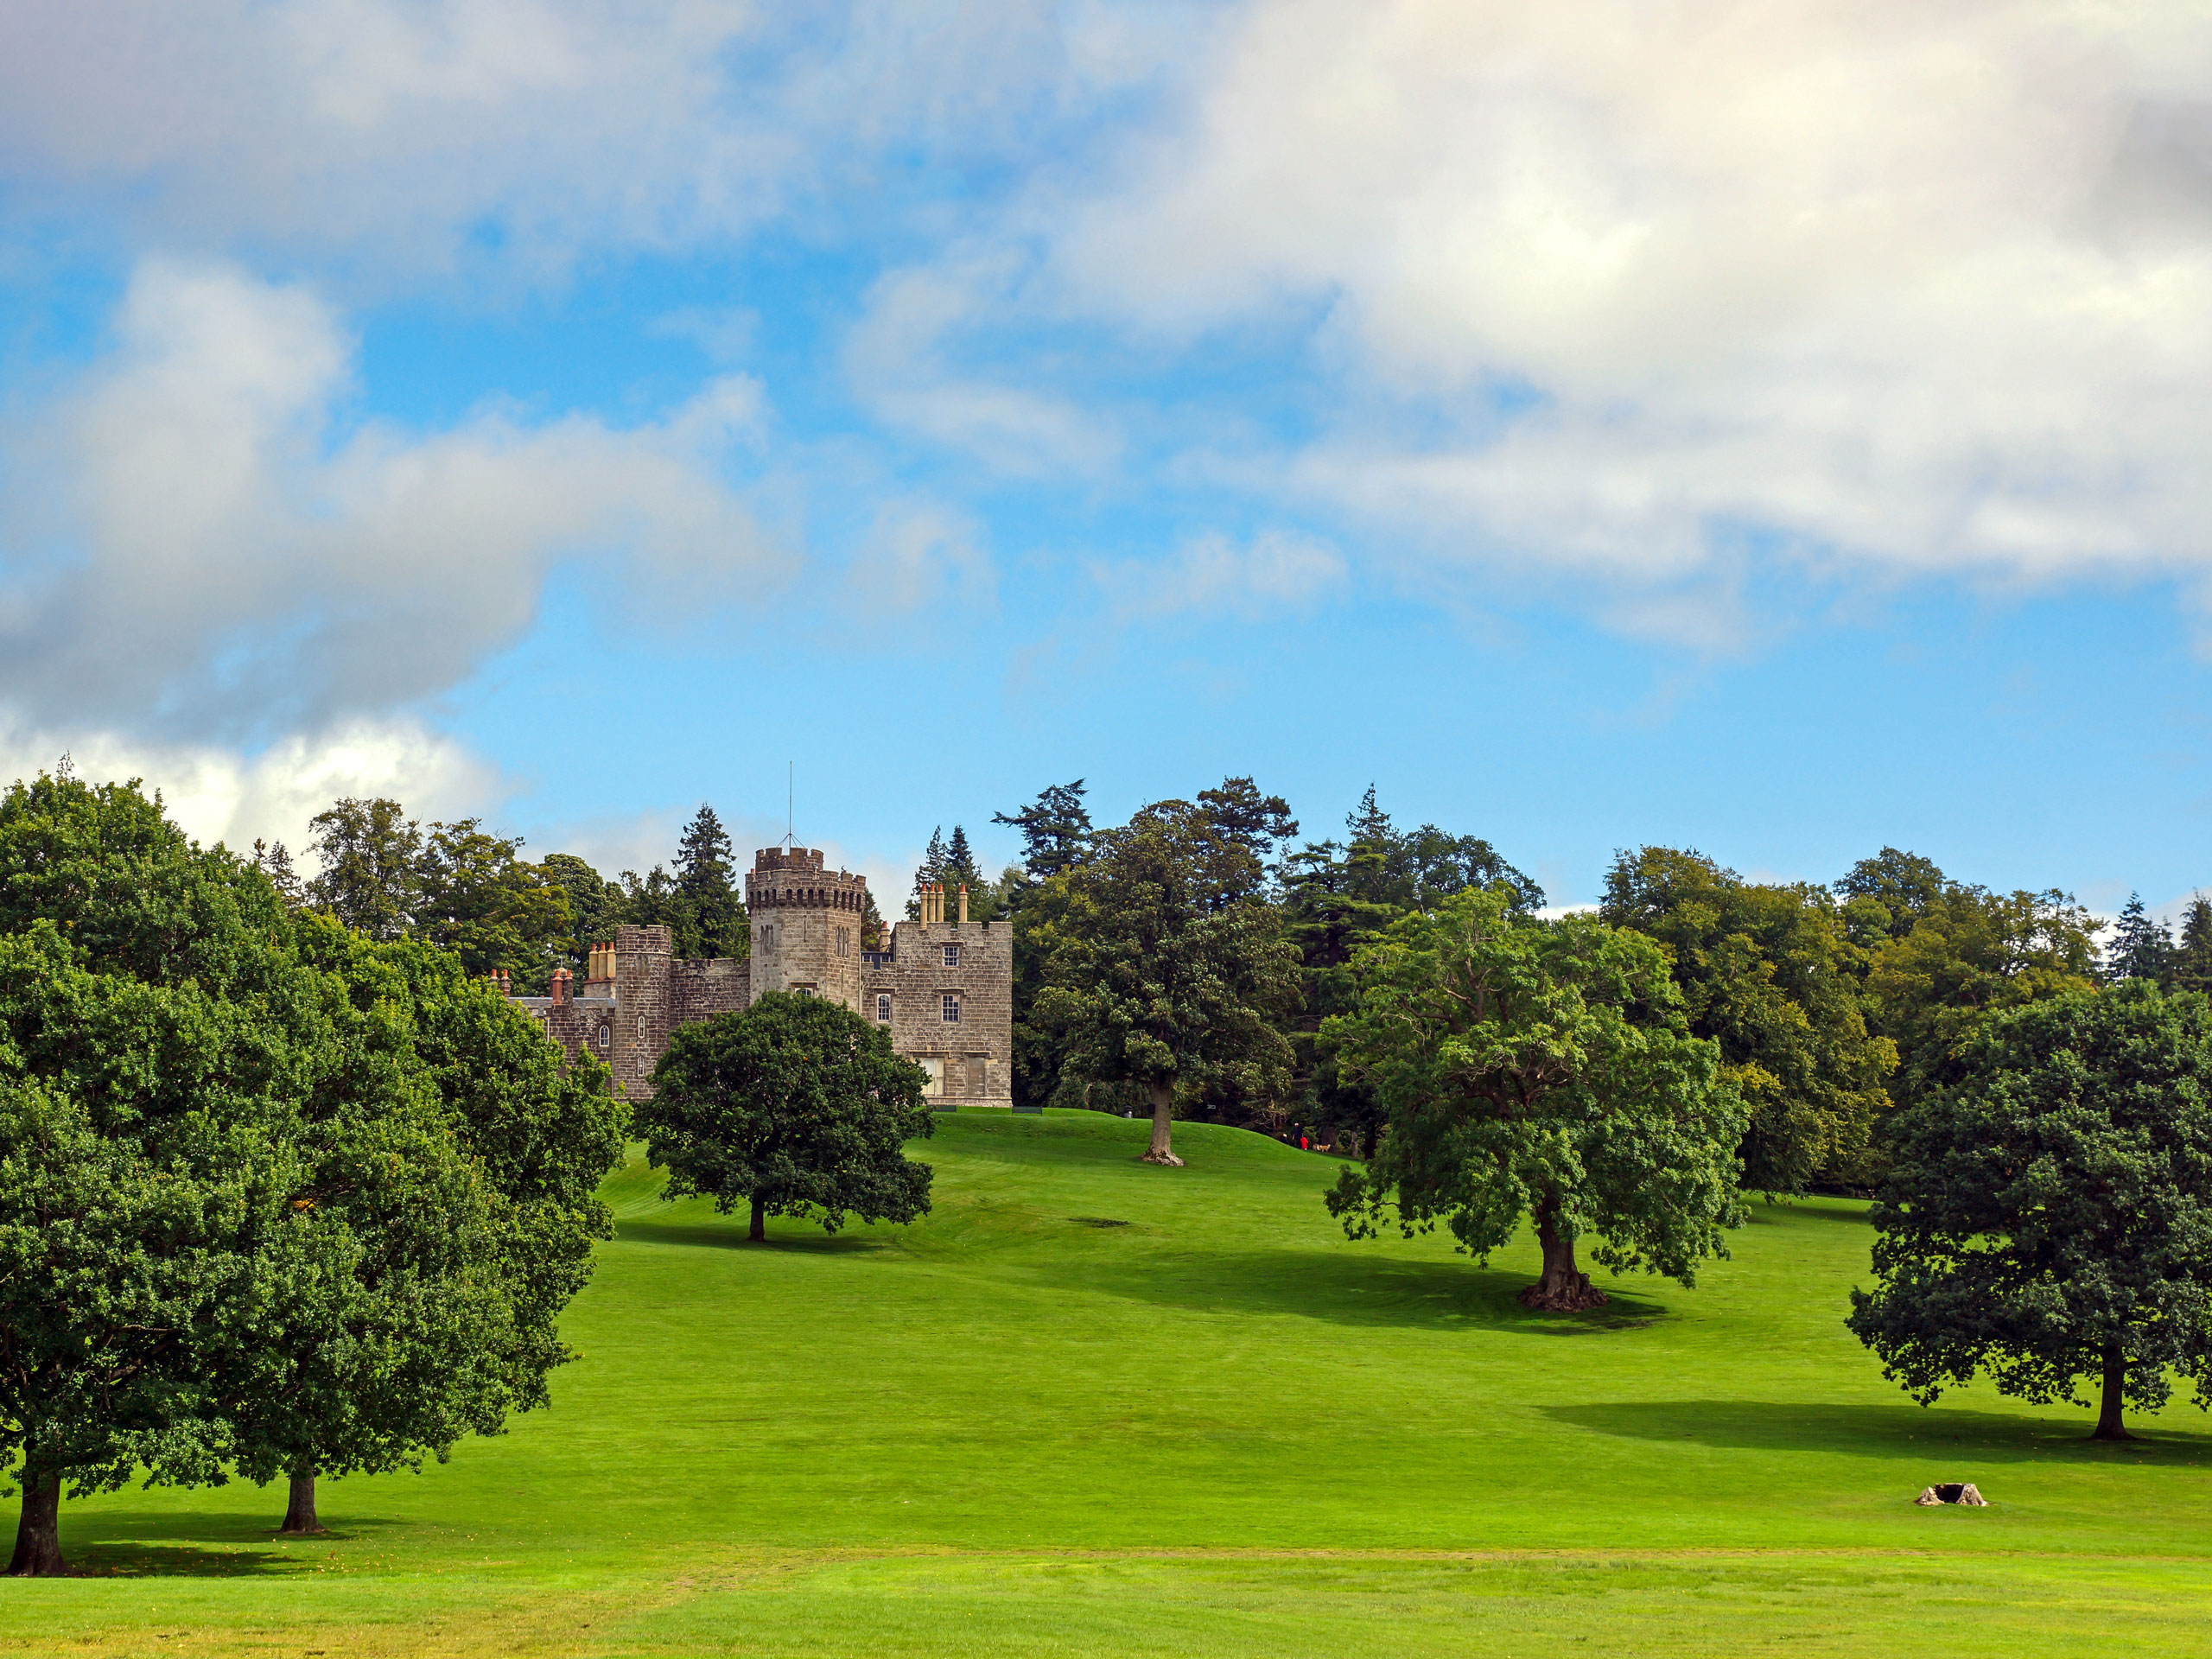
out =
column 560, row 986
column 963, row 904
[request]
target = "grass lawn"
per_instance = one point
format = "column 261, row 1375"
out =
column 1092, row 1406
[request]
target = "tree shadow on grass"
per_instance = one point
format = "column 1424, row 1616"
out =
column 731, row 1237
column 1347, row 1288
column 1903, row 1432
column 200, row 1544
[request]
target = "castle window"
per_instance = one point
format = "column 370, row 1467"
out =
column 951, row 1009
column 606, row 1036
column 883, row 1008
column 641, row 1027
column 952, row 956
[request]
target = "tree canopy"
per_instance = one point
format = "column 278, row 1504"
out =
column 1769, row 973
column 1156, row 981
column 1544, row 1070
column 248, row 1200
column 2048, row 1217
column 795, row 1106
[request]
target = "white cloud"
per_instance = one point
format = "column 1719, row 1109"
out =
column 1902, row 288
column 1211, row 572
column 902, row 361
column 412, row 136
column 920, row 553
column 218, row 794
column 209, row 549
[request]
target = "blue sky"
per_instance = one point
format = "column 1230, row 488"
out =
column 1781, row 433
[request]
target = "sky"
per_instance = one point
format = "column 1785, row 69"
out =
column 1781, row 429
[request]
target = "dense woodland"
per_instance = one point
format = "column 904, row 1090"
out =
column 1831, row 1004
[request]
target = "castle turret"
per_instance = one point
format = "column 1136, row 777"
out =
column 807, row 924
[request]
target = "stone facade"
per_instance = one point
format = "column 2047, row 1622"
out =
column 944, row 989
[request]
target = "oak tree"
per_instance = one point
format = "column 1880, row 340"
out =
column 1539, row 1069
column 2048, row 1216
column 794, row 1106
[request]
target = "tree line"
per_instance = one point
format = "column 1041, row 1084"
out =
column 462, row 888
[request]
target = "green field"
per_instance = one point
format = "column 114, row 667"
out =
column 1092, row 1406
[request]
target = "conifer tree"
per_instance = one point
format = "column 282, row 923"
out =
column 712, row 916
column 1055, row 831
column 2141, row 946
column 2192, row 955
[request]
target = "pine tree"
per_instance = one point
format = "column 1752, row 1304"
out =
column 2141, row 946
column 1055, row 831
column 2192, row 958
column 713, row 922
column 931, row 869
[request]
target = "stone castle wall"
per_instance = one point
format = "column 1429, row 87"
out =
column 806, row 936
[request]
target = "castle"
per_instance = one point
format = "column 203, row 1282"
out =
column 945, row 989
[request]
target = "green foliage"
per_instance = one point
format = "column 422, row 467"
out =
column 713, row 921
column 274, row 1194
column 1770, row 974
column 1538, row 1070
column 370, row 853
column 476, row 899
column 1055, row 829
column 2141, row 946
column 1970, row 953
column 2049, row 1214
column 1155, row 981
column 2189, row 967
column 1339, row 898
column 795, row 1106
column 455, row 884
column 157, row 1043
column 595, row 907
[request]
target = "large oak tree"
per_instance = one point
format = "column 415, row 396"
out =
column 1539, row 1069
column 2047, row 1218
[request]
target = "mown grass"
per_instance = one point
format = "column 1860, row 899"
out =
column 1217, row 1427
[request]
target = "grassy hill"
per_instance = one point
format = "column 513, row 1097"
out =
column 1090, row 1405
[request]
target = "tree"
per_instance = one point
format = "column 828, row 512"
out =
column 797, row 1104
column 931, row 869
column 1972, row 953
column 1055, row 831
column 595, row 907
column 1337, row 897
column 157, row 1042
column 472, row 896
column 706, row 885
column 1767, row 973
column 369, row 852
column 1540, row 1069
column 274, row 860
column 2047, row 1212
column 2190, row 966
column 1906, row 886
column 1152, row 986
column 2141, row 946
column 463, row 1164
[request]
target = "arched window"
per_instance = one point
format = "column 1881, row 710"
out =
column 641, row 1027
column 607, row 1036
column 883, row 1009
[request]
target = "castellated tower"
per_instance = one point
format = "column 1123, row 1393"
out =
column 807, row 924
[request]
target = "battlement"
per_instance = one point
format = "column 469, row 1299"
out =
column 796, row 877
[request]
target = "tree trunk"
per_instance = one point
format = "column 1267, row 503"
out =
column 2109, row 1428
column 299, row 1514
column 759, row 1235
column 1163, row 1124
column 1564, row 1288
column 38, row 1534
